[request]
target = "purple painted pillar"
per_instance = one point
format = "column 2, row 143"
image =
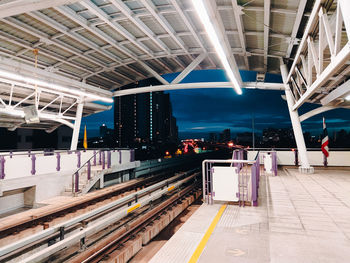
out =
column 89, row 170
column 274, row 162
column 103, row 160
column 132, row 155
column 100, row 158
column 109, row 157
column 58, row 156
column 94, row 158
column 76, row 183
column 79, row 159
column 33, row 164
column 2, row 167
column 254, row 184
column 120, row 156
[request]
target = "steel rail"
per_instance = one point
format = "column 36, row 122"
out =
column 102, row 223
column 55, row 229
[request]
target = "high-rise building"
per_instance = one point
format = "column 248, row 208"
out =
column 144, row 118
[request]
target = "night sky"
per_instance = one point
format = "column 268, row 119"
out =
column 201, row 111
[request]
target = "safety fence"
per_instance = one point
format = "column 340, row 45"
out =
column 234, row 180
column 30, row 163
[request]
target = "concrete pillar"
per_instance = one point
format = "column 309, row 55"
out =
column 76, row 129
column 298, row 132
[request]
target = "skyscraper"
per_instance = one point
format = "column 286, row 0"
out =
column 144, row 118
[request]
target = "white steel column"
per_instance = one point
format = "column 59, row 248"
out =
column 76, row 129
column 298, row 132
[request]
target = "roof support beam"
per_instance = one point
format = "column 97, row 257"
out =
column 189, row 68
column 198, row 85
column 340, row 91
column 316, row 111
column 24, row 6
column 237, row 10
column 267, row 6
column 297, row 22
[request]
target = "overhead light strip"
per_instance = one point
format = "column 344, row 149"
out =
column 14, row 76
column 209, row 28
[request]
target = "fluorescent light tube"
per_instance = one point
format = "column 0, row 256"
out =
column 38, row 82
column 209, row 28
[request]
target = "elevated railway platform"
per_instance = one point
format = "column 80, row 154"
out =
column 299, row 219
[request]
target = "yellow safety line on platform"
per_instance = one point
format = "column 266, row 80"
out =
column 133, row 208
column 206, row 236
column 171, row 188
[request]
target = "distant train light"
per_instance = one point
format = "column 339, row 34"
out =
column 166, row 153
column 230, row 144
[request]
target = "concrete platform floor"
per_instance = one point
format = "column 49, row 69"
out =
column 300, row 218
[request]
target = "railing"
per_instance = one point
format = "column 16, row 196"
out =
column 50, row 162
column 248, row 173
column 104, row 159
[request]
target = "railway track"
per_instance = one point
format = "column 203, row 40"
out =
column 93, row 235
column 14, row 227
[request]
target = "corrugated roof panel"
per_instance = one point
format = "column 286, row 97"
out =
column 9, row 46
column 25, row 18
column 134, row 49
column 41, row 57
column 234, row 41
column 240, row 61
column 228, row 19
column 57, row 50
column 98, row 41
column 281, row 23
column 126, row 72
column 198, row 26
column 190, row 42
column 57, row 16
column 86, row 63
column 133, row 4
column 68, row 68
column 116, row 52
column 176, row 23
column 17, row 33
column 152, row 46
column 153, row 25
column 278, row 44
column 255, row 41
column 132, row 28
column 256, row 62
column 273, row 64
column 112, row 33
column 73, row 43
column 102, row 58
column 253, row 21
column 169, row 42
column 285, row 4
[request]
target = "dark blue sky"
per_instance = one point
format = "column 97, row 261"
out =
column 201, row 111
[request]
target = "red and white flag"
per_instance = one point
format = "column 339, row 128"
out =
column 325, row 140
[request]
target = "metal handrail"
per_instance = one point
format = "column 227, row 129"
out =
column 77, row 171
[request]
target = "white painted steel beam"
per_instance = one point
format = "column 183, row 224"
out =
column 299, row 16
column 267, row 6
column 340, row 91
column 338, row 61
column 237, row 10
column 24, row 6
column 76, row 129
column 316, row 111
column 298, row 132
column 198, row 85
column 189, row 68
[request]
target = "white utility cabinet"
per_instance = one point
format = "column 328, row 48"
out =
column 225, row 183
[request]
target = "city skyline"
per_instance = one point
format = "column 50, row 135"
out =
column 201, row 111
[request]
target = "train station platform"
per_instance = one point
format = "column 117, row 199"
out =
column 300, row 218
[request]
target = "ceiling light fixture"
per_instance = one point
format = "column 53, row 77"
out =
column 14, row 76
column 347, row 98
column 209, row 28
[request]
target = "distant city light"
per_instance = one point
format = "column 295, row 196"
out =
column 209, row 28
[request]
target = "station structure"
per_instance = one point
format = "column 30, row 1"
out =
column 66, row 59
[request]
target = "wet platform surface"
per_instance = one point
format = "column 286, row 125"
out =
column 300, row 218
